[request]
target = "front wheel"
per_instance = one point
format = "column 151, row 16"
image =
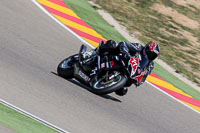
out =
column 66, row 68
column 108, row 83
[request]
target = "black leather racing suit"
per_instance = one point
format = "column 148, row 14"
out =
column 126, row 49
column 133, row 48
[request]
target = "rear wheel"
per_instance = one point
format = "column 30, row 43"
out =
column 108, row 82
column 66, row 67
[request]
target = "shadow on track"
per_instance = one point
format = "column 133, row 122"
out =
column 88, row 88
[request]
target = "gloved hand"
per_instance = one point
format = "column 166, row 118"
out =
column 125, row 51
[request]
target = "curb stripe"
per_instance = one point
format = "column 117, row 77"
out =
column 156, row 76
column 180, row 96
column 165, row 85
column 187, row 105
column 78, row 26
column 195, row 107
column 66, row 16
column 83, row 32
column 59, row 2
column 94, row 44
column 58, row 7
column 60, row 23
column 85, row 35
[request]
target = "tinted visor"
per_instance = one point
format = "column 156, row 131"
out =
column 151, row 55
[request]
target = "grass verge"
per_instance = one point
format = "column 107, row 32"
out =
column 21, row 123
column 93, row 19
column 175, row 27
column 83, row 9
column 164, row 74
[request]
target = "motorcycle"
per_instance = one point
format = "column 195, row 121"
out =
column 105, row 73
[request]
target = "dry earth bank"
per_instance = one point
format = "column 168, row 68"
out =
column 132, row 38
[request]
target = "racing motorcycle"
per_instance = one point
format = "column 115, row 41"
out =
column 105, row 73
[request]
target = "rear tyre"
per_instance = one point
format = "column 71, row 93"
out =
column 102, row 85
column 66, row 68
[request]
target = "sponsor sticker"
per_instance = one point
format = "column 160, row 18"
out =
column 134, row 62
column 82, row 75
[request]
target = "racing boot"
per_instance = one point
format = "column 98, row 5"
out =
column 122, row 91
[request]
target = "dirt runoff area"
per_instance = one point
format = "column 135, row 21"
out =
column 131, row 38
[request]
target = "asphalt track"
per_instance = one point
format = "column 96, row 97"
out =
column 31, row 46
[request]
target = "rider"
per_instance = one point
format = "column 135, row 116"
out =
column 151, row 50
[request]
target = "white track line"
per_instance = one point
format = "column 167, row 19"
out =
column 49, row 124
column 64, row 26
column 172, row 97
column 27, row 113
column 33, row 117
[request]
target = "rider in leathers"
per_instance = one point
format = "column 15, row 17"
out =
column 135, row 48
column 151, row 50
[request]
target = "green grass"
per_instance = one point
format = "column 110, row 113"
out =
column 83, row 9
column 164, row 74
column 138, row 16
column 21, row 123
column 93, row 19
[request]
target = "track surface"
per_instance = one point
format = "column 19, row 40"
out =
column 31, row 46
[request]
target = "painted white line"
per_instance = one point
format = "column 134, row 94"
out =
column 172, row 97
column 33, row 116
column 64, row 26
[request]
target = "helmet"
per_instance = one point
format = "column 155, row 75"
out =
column 152, row 50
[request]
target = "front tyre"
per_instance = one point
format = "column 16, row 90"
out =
column 102, row 85
column 66, row 68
